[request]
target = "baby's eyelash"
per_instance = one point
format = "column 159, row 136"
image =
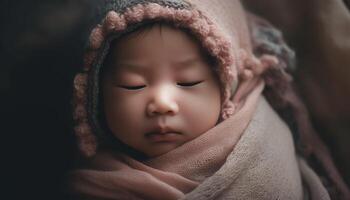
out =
column 189, row 84
column 137, row 87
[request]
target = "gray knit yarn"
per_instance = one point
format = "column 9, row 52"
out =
column 120, row 6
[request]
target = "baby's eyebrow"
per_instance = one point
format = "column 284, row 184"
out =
column 180, row 64
column 187, row 63
column 132, row 66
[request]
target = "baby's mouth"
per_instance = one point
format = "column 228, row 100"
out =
column 163, row 136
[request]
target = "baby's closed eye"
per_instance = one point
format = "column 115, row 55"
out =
column 189, row 83
column 132, row 87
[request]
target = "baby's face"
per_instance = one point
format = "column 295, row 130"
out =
column 159, row 91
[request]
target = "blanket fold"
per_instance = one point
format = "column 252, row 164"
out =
column 263, row 165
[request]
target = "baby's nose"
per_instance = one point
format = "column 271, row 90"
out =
column 163, row 102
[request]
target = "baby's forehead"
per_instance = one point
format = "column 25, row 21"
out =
column 156, row 41
column 157, row 32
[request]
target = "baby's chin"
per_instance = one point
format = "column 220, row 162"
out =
column 160, row 148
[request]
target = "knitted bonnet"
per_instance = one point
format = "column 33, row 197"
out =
column 219, row 26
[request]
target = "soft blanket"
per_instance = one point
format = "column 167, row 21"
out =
column 262, row 165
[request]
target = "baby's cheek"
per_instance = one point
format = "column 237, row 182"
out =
column 125, row 122
column 201, row 111
column 126, row 108
column 122, row 110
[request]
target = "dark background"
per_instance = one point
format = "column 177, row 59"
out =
column 41, row 47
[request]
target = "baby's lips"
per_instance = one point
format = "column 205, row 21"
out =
column 163, row 136
column 162, row 130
